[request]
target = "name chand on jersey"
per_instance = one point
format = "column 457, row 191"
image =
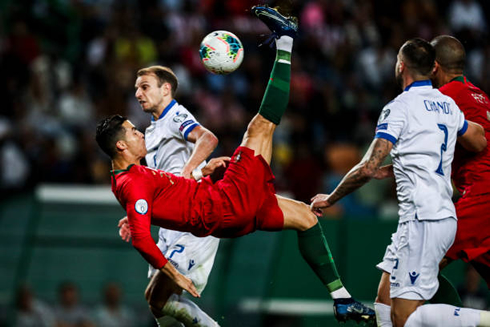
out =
column 440, row 107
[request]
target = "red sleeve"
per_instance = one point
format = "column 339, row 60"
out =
column 139, row 202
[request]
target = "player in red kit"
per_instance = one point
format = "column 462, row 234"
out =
column 470, row 170
column 240, row 203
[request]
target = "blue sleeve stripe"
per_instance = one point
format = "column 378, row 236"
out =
column 189, row 129
column 463, row 129
column 386, row 136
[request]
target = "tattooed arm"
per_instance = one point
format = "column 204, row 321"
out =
column 357, row 176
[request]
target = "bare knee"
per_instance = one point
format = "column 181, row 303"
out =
column 259, row 126
column 309, row 219
column 297, row 215
column 155, row 302
column 159, row 289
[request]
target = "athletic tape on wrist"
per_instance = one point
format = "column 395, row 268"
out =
column 197, row 174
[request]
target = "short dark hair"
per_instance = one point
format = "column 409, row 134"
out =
column 450, row 53
column 109, row 131
column 163, row 74
column 419, row 56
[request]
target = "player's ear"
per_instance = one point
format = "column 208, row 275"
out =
column 401, row 67
column 121, row 145
column 436, row 68
column 167, row 89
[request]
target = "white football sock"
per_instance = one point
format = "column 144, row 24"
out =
column 167, row 321
column 444, row 315
column 383, row 315
column 187, row 312
column 341, row 293
column 284, row 43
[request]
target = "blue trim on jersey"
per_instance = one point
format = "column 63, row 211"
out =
column 463, row 129
column 386, row 136
column 190, row 130
column 167, row 108
column 426, row 82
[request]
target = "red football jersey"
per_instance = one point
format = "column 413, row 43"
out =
column 471, row 171
column 155, row 197
column 240, row 203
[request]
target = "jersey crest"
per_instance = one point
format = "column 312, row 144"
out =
column 141, row 206
column 179, row 118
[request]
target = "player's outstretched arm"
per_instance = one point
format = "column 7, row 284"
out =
column 362, row 173
column 474, row 138
column 179, row 279
column 205, row 143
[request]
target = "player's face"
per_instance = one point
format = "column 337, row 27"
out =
column 134, row 139
column 148, row 94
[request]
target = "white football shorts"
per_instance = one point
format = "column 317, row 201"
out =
column 413, row 257
column 192, row 256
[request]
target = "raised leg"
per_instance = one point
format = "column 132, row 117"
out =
column 315, row 251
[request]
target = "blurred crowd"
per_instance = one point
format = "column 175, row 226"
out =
column 66, row 64
column 70, row 311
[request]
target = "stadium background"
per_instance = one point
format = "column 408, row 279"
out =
column 66, row 64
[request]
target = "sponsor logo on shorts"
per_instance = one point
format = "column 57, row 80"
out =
column 192, row 263
column 456, row 311
column 413, row 276
column 395, row 284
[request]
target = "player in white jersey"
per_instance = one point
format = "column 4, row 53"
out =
column 420, row 129
column 178, row 144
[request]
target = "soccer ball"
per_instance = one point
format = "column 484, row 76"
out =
column 221, row 52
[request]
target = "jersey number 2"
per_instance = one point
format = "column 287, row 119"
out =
column 443, row 148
